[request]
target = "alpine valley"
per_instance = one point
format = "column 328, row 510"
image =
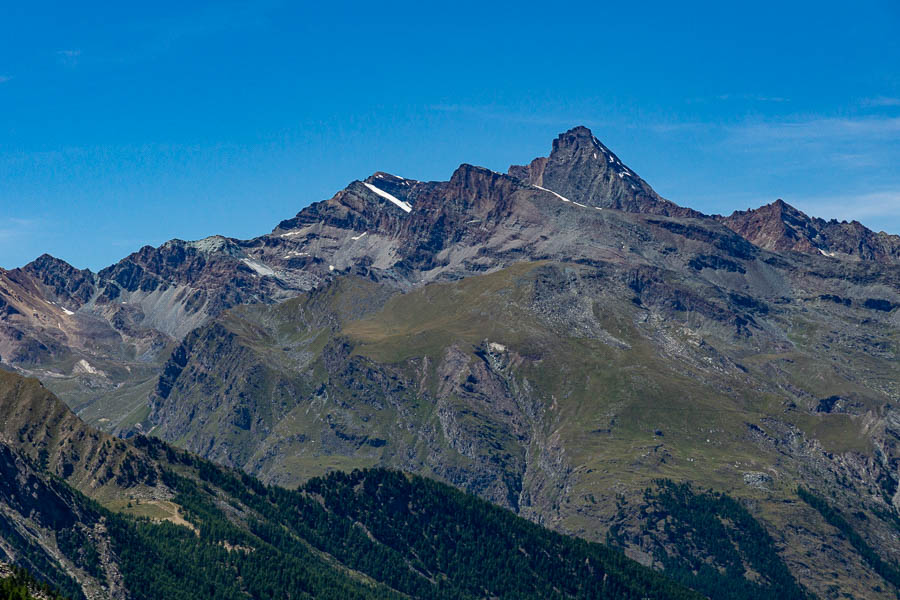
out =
column 617, row 378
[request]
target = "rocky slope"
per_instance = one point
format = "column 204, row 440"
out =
column 553, row 339
column 580, row 167
column 781, row 227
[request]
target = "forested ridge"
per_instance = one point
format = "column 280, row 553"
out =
column 716, row 546
column 395, row 535
column 373, row 534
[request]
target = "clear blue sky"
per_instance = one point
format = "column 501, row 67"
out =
column 124, row 124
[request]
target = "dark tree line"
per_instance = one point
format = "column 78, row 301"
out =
column 714, row 543
column 21, row 585
column 413, row 536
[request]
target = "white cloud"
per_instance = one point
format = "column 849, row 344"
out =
column 12, row 228
column 870, row 144
column 819, row 129
column 68, row 58
column 881, row 101
column 753, row 97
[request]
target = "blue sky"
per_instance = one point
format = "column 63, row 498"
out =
column 124, row 124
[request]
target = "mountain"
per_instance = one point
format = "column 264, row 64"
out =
column 581, row 167
column 98, row 338
column 558, row 340
column 369, row 534
column 781, row 227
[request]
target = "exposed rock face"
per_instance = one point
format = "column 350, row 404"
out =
column 60, row 281
column 97, row 335
column 584, row 170
column 536, row 385
column 781, row 227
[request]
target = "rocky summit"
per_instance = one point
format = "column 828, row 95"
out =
column 559, row 340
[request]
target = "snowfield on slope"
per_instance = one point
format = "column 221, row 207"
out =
column 406, row 207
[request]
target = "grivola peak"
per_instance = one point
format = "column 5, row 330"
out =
column 581, row 167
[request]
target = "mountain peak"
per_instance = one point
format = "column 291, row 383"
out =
column 58, row 279
column 479, row 188
column 209, row 245
column 783, row 207
column 779, row 209
column 466, row 170
column 578, row 138
column 778, row 226
column 580, row 167
column 579, row 133
column 48, row 262
column 390, row 178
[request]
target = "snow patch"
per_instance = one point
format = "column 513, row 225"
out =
column 331, row 267
column 290, row 233
column 406, row 207
column 580, row 204
column 360, row 236
column 258, row 267
column 543, row 189
column 496, row 348
column 83, row 366
column 66, row 310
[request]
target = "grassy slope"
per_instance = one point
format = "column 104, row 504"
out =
column 628, row 416
column 645, row 398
